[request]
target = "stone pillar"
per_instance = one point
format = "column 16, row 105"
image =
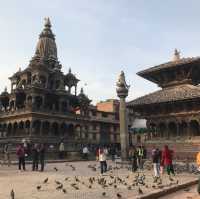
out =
column 122, row 92
column 31, row 129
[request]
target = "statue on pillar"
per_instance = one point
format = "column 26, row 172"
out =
column 122, row 92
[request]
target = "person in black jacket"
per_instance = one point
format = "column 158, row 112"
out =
column 156, row 158
column 35, row 157
column 42, row 156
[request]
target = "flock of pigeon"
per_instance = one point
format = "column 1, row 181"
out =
column 107, row 185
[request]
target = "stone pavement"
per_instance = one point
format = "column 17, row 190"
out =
column 118, row 182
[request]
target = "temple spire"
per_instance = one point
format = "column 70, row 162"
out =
column 46, row 46
column 47, row 22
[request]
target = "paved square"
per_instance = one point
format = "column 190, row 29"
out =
column 80, row 181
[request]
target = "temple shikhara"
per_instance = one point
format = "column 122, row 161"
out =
column 44, row 106
column 173, row 112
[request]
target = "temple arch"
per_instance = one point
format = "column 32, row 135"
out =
column 172, row 129
column 194, row 128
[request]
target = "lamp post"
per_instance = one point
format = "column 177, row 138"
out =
column 122, row 93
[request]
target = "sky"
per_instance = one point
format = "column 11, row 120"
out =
column 99, row 38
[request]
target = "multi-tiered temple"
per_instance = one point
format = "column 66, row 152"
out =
column 174, row 111
column 44, row 106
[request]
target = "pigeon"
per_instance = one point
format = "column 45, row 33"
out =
column 55, row 169
column 64, row 191
column 57, row 182
column 45, row 181
column 119, row 195
column 140, row 191
column 12, row 194
column 39, row 187
column 104, row 194
column 59, row 187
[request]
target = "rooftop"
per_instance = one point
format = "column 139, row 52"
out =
column 169, row 94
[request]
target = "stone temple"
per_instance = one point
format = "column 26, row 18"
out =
column 43, row 105
column 173, row 112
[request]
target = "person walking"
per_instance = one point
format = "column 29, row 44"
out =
column 21, row 157
column 61, row 150
column 113, row 152
column 7, row 151
column 133, row 158
column 156, row 158
column 85, row 152
column 167, row 156
column 42, row 151
column 140, row 157
column 102, row 160
column 35, row 157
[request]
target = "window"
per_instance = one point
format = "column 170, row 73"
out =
column 115, row 128
column 86, row 135
column 94, row 127
column 104, row 114
column 94, row 136
column 94, row 113
column 115, row 137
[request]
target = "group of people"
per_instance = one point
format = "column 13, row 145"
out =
column 36, row 153
column 137, row 155
column 161, row 160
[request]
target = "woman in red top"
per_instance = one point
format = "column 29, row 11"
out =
column 167, row 156
column 21, row 156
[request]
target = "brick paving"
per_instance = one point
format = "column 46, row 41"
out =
column 24, row 183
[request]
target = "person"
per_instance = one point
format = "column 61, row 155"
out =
column 61, row 150
column 167, row 156
column 140, row 157
column 42, row 156
column 113, row 153
column 21, row 157
column 102, row 160
column 133, row 158
column 85, row 152
column 156, row 158
column 198, row 161
column 35, row 157
column 7, row 151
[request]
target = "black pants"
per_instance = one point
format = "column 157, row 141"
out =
column 35, row 164
column 21, row 163
column 42, row 164
column 103, row 166
column 85, row 156
column 61, row 154
column 113, row 157
column 134, row 164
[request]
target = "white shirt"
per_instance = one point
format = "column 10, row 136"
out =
column 85, row 150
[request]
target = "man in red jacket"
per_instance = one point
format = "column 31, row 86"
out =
column 167, row 156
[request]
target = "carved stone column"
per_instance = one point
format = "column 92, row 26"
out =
column 122, row 92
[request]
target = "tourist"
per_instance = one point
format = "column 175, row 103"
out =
column 113, row 152
column 61, row 150
column 42, row 156
column 133, row 158
column 156, row 158
column 21, row 157
column 35, row 157
column 198, row 161
column 102, row 160
column 7, row 151
column 167, row 156
column 140, row 156
column 85, row 152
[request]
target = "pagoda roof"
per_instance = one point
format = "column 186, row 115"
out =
column 169, row 94
column 168, row 65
